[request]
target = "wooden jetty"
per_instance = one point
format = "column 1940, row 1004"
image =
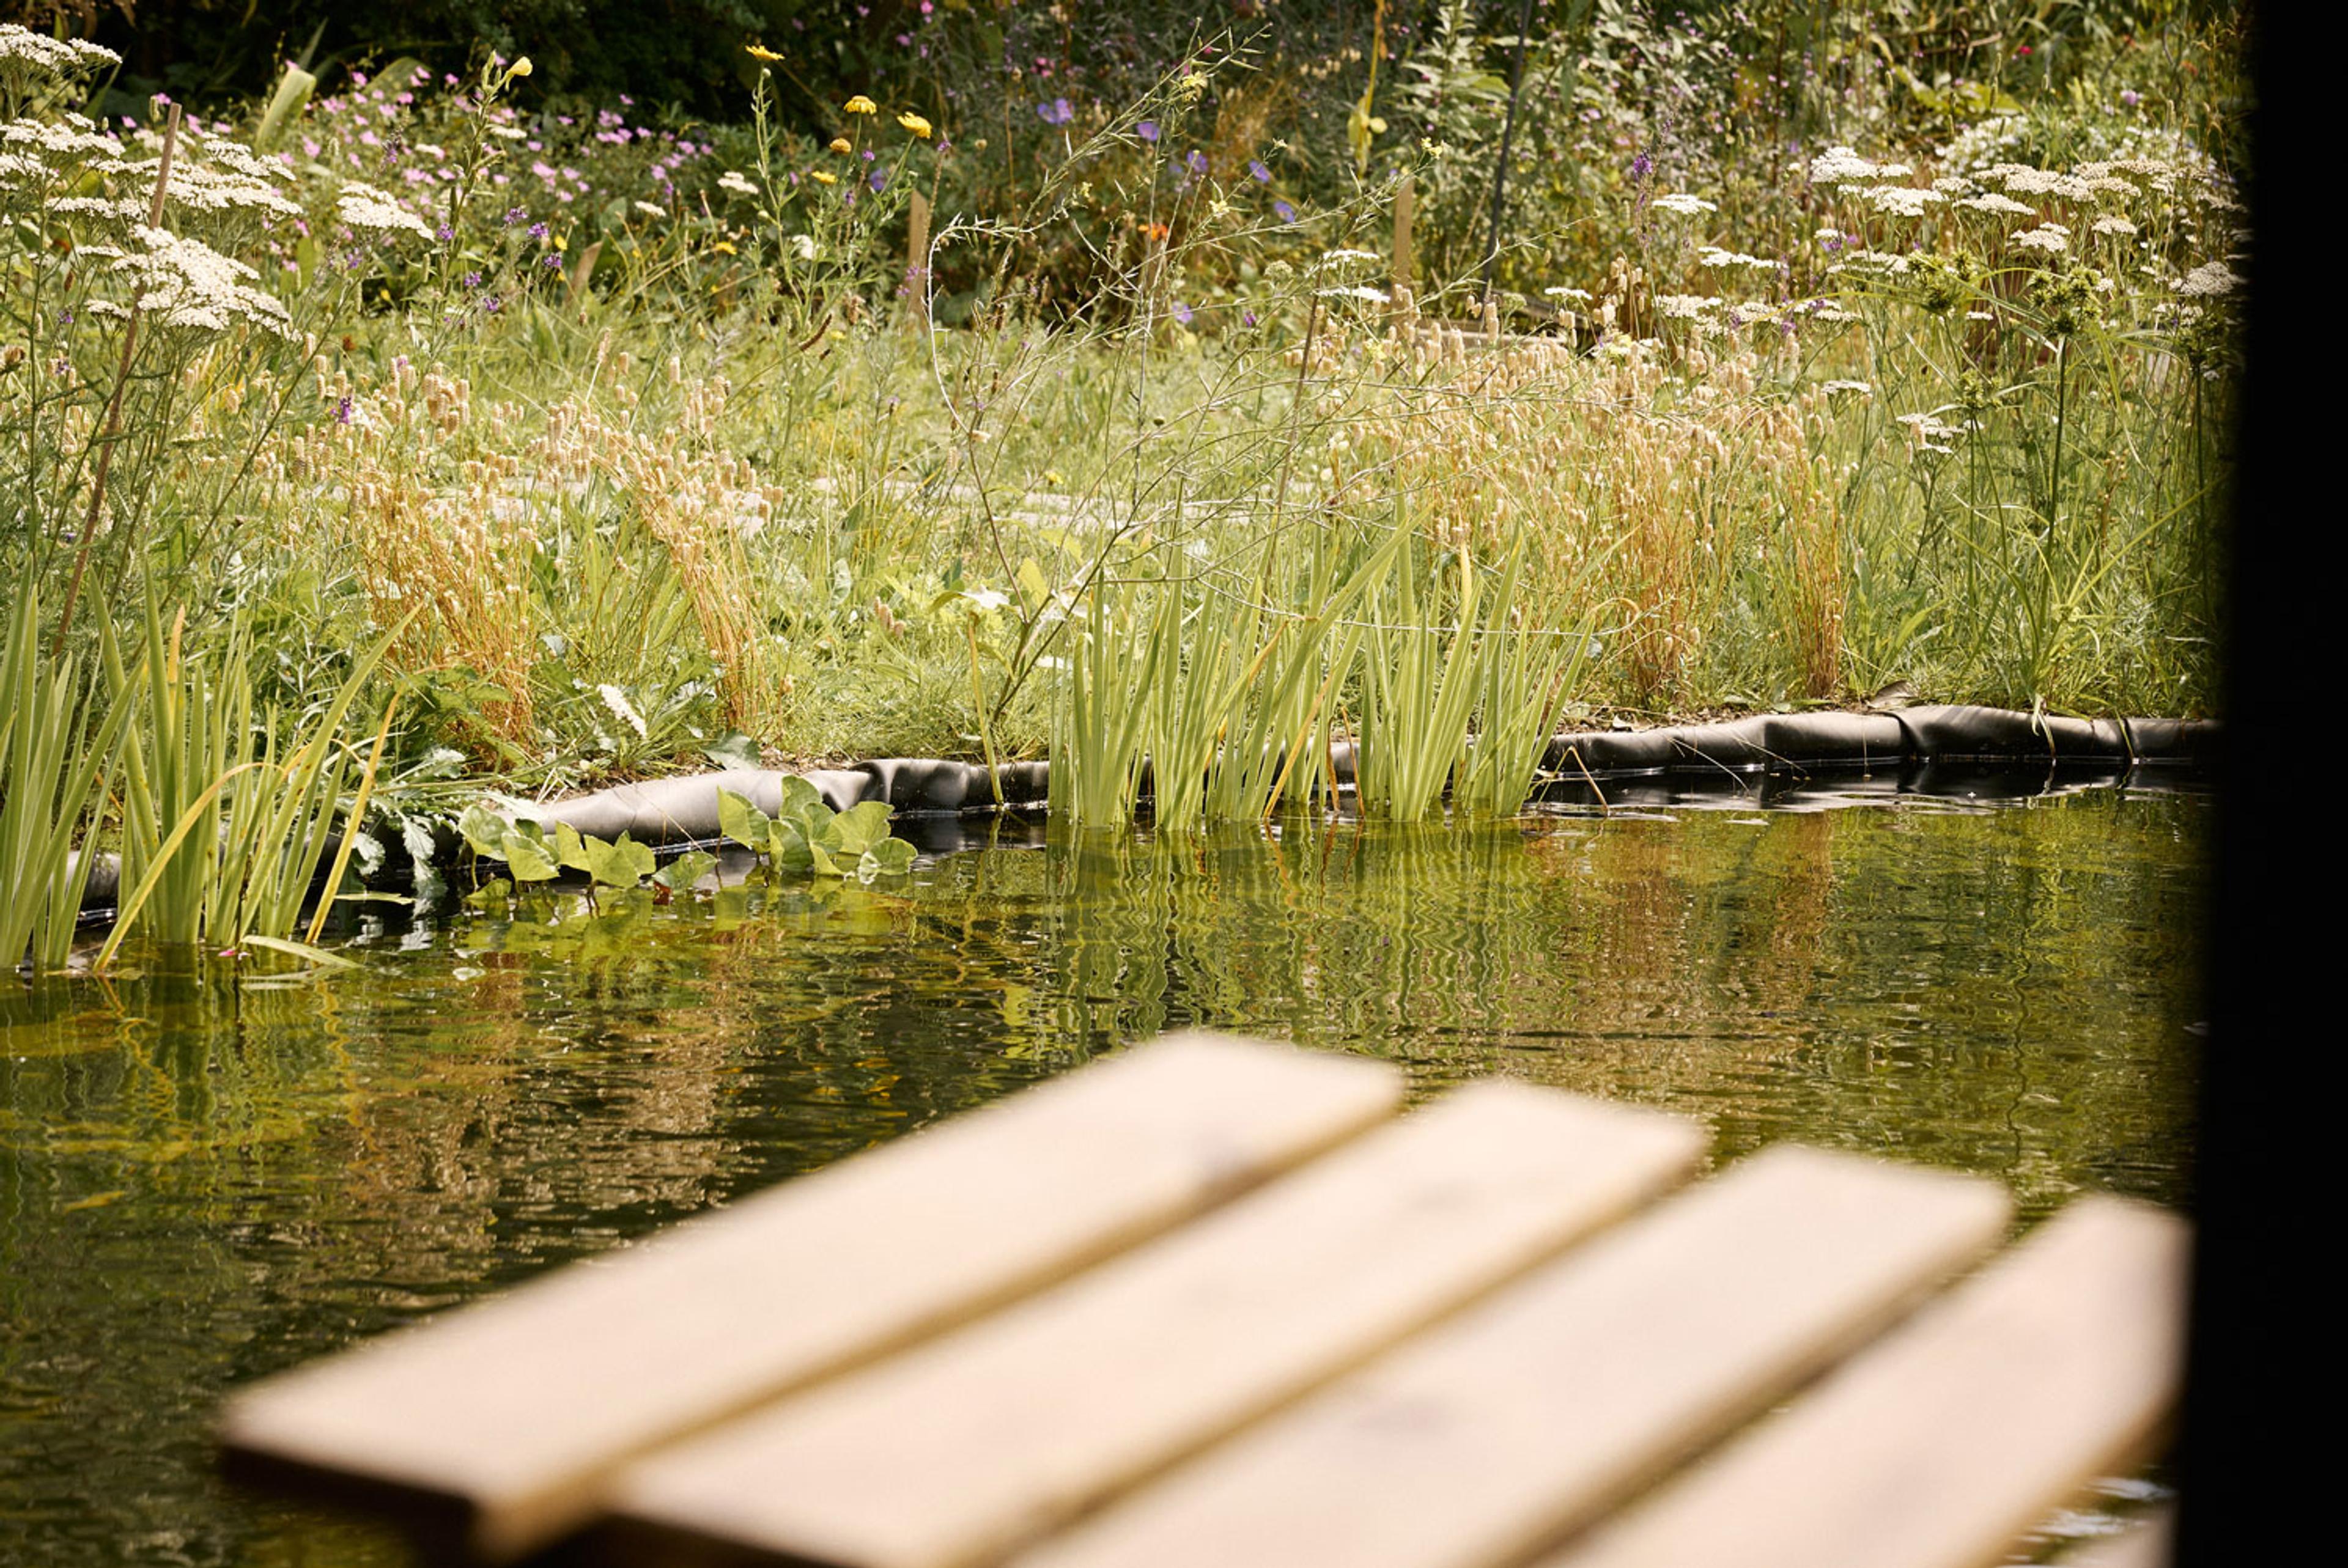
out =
column 1218, row 1302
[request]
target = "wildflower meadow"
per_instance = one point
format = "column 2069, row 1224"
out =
column 1003, row 383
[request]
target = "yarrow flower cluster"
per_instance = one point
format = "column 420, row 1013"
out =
column 365, row 207
column 184, row 283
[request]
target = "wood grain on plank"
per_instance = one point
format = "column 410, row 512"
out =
column 1943, row 1444
column 492, row 1429
column 1492, row 1435
column 960, row 1450
column 2148, row 1542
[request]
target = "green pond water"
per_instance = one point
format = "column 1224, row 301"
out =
column 203, row 1179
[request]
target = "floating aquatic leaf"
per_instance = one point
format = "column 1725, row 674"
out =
column 742, row 822
column 862, row 826
column 679, row 875
column 889, row 857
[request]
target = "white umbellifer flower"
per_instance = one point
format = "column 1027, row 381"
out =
column 2030, row 181
column 2111, row 225
column 1342, row 258
column 508, row 132
column 1714, row 256
column 1680, row 201
column 2052, row 238
column 202, row 189
column 1991, row 202
column 734, row 180
column 1836, row 388
column 1833, row 314
column 1901, row 201
column 184, row 283
column 1954, row 185
column 365, row 207
column 1927, row 433
column 1840, row 166
column 22, row 45
column 650, row 209
column 1979, row 316
column 2208, row 280
column 1559, row 291
column 1355, row 292
column 1685, row 307
column 115, row 208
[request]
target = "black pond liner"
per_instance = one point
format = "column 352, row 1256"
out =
column 1768, row 758
column 1773, row 746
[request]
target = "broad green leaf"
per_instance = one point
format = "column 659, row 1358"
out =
column 787, row 846
column 825, row 865
column 571, row 848
column 527, row 853
column 484, row 829
column 733, row 750
column 742, row 822
column 621, row 864
column 862, row 826
column 890, row 857
column 679, row 875
column 490, row 894
column 798, row 796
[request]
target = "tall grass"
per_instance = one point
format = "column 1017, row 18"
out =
column 57, row 750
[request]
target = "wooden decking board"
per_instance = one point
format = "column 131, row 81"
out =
column 2148, row 1542
column 493, row 1428
column 1941, row 1445
column 960, row 1450
column 1491, row 1435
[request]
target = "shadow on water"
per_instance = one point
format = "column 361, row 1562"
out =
column 207, row 1173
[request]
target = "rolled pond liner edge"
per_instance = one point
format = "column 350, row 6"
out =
column 663, row 812
column 681, row 812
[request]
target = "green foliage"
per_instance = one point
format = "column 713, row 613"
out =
column 58, row 749
column 806, row 835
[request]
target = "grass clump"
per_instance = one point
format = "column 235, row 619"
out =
column 630, row 443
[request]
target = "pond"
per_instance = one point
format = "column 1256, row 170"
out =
column 202, row 1181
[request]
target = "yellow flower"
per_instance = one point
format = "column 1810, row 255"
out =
column 823, row 177
column 724, row 247
column 839, row 144
column 915, row 124
column 761, row 52
column 859, row 104
column 520, row 67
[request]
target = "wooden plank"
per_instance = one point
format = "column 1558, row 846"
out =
column 2149, row 1543
column 962, row 1450
column 492, row 1430
column 917, row 259
column 1491, row 1436
column 1943, row 1445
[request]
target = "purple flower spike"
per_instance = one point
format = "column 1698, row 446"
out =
column 538, row 231
column 879, row 177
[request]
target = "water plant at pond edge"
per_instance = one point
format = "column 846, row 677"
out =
column 229, row 810
column 806, row 835
column 58, row 743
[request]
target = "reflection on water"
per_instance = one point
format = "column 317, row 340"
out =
column 202, row 1181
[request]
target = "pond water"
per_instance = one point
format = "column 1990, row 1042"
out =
column 204, row 1180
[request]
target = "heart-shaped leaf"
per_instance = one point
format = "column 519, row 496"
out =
column 621, row 864
column 862, row 826
column 742, row 822
column 527, row 853
column 798, row 796
column 679, row 875
column 890, row 857
column 484, row 829
column 571, row 848
column 734, row 750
